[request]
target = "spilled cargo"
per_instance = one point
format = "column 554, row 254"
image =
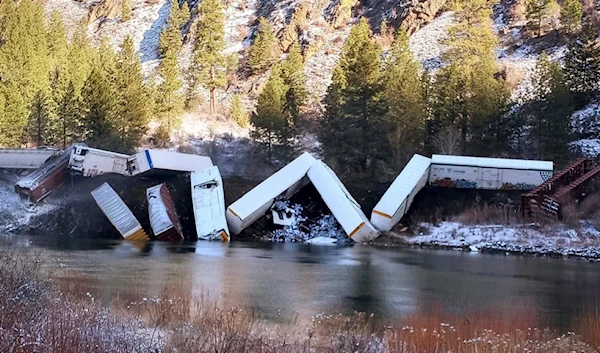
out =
column 163, row 216
column 118, row 213
column 208, row 200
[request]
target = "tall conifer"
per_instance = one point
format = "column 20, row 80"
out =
column 209, row 62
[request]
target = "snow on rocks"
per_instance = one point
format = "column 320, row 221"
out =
column 529, row 239
column 524, row 59
column 426, row 43
column 238, row 15
column 16, row 212
column 72, row 12
column 588, row 148
column 585, row 123
column 144, row 27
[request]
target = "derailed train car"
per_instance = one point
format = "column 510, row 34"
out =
column 208, row 201
column 488, row 173
column 117, row 212
column 41, row 182
column 399, row 196
column 163, row 216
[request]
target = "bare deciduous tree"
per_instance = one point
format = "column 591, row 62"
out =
column 447, row 141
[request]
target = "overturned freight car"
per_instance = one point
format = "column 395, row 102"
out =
column 488, row 173
column 90, row 162
column 26, row 158
column 286, row 182
column 163, row 216
column 151, row 160
column 208, row 201
column 398, row 198
column 41, row 182
column 117, row 212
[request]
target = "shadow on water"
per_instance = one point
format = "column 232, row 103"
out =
column 279, row 279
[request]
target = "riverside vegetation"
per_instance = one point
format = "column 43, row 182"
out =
column 37, row 315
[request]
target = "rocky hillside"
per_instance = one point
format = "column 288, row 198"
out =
column 323, row 26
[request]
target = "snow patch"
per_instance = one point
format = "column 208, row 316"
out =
column 529, row 238
column 238, row 15
column 427, row 45
column 15, row 212
column 144, row 27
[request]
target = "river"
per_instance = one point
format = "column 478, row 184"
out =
column 279, row 279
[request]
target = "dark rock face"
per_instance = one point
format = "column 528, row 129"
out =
column 412, row 14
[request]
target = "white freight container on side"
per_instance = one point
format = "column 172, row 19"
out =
column 166, row 160
column 25, row 158
column 208, row 201
column 91, row 162
column 256, row 202
column 339, row 201
column 488, row 173
column 118, row 213
column 399, row 196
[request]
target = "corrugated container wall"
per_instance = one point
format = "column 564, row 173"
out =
column 118, row 213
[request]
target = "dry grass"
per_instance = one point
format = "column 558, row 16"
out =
column 35, row 317
column 489, row 214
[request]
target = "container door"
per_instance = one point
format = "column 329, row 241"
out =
column 490, row 177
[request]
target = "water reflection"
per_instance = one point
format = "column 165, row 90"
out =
column 278, row 279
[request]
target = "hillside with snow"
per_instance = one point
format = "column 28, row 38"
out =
column 322, row 27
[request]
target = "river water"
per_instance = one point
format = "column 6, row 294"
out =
column 279, row 279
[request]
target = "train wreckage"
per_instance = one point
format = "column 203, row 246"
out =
column 276, row 205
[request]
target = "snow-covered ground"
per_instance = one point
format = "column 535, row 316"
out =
column 16, row 212
column 144, row 27
column 238, row 15
column 585, row 124
column 72, row 12
column 556, row 240
column 426, row 43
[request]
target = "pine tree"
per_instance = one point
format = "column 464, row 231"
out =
column 56, row 40
column 80, row 57
column 467, row 96
column 404, row 94
column 270, row 121
column 537, row 13
column 184, row 15
column 238, row 113
column 552, row 107
column 70, row 117
column 23, row 50
column 13, row 116
column 40, row 119
column 100, row 101
column 169, row 100
column 170, row 36
column 125, row 10
column 292, row 72
column 210, row 63
column 582, row 66
column 353, row 131
column 134, row 109
column 263, row 51
column 570, row 15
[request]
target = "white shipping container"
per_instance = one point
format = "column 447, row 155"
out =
column 208, row 200
column 150, row 159
column 339, row 201
column 488, row 173
column 118, row 213
column 256, row 202
column 399, row 196
column 91, row 162
column 25, row 158
column 163, row 216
